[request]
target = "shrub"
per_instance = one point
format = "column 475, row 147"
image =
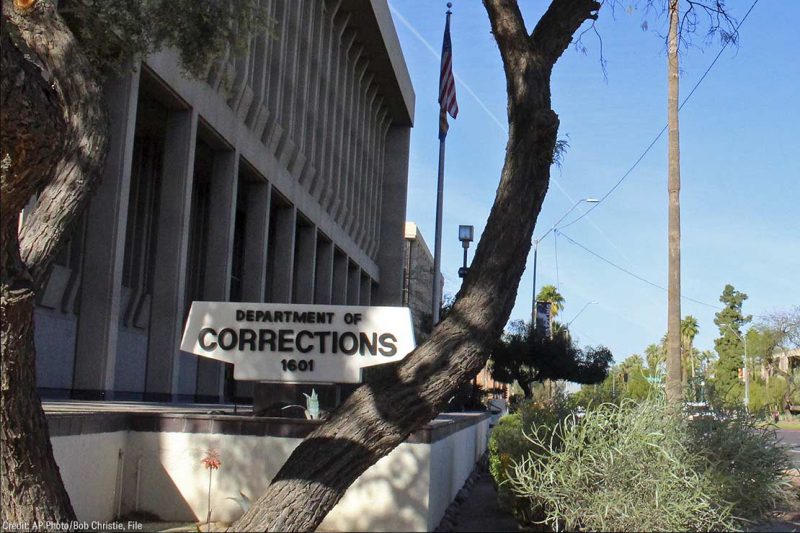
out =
column 508, row 446
column 638, row 467
column 621, row 468
column 744, row 461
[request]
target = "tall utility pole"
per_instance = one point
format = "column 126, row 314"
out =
column 674, row 388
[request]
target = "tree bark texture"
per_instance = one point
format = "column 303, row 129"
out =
column 54, row 130
column 397, row 399
column 674, row 388
column 32, row 489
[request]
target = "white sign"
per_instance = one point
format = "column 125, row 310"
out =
column 298, row 343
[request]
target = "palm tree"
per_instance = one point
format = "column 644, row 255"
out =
column 549, row 293
column 689, row 330
column 674, row 374
column 655, row 355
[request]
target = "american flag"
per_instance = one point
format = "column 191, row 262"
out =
column 447, row 84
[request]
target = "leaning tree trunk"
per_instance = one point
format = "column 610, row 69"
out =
column 54, row 129
column 395, row 401
column 674, row 388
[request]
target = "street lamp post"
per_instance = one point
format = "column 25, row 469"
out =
column 746, row 374
column 465, row 235
column 545, row 234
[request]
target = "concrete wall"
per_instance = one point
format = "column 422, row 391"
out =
column 160, row 472
column 452, row 461
column 418, row 279
column 390, row 496
column 90, row 466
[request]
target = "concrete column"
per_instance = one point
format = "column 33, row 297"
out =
column 364, row 297
column 166, row 315
column 255, row 250
column 323, row 272
column 218, row 259
column 255, row 254
column 353, row 284
column 312, row 115
column 101, row 286
column 380, row 153
column 369, row 173
column 352, row 210
column 325, row 118
column 284, row 233
column 339, row 294
column 275, row 127
column 343, row 146
column 393, row 211
column 304, row 259
column 338, row 150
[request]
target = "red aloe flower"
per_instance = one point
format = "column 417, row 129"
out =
column 211, row 460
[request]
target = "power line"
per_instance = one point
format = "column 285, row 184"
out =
column 640, row 278
column 660, row 133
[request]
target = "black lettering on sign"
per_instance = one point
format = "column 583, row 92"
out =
column 322, row 335
column 388, row 346
column 353, row 343
column 367, row 344
column 285, row 340
column 239, row 315
column 202, row 338
column 247, row 337
column 266, row 337
column 227, row 339
column 299, row 341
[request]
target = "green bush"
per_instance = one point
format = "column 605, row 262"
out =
column 635, row 467
column 744, row 461
column 508, row 446
column 505, row 448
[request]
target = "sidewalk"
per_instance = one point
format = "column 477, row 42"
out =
column 477, row 510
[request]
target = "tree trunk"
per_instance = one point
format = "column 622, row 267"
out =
column 54, row 144
column 32, row 489
column 674, row 389
column 527, row 388
column 684, row 370
column 397, row 400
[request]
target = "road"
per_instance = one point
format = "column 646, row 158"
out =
column 791, row 438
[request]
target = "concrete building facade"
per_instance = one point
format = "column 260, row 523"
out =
column 418, row 279
column 280, row 177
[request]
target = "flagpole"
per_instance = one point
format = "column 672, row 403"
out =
column 436, row 302
column 437, row 248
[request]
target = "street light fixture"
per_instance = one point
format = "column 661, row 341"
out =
column 546, row 233
column 746, row 375
column 465, row 235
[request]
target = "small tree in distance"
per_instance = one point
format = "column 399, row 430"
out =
column 525, row 355
column 729, row 346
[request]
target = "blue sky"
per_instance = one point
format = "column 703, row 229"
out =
column 740, row 164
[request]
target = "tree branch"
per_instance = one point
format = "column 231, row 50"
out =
column 508, row 28
column 81, row 100
column 553, row 34
column 33, row 128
